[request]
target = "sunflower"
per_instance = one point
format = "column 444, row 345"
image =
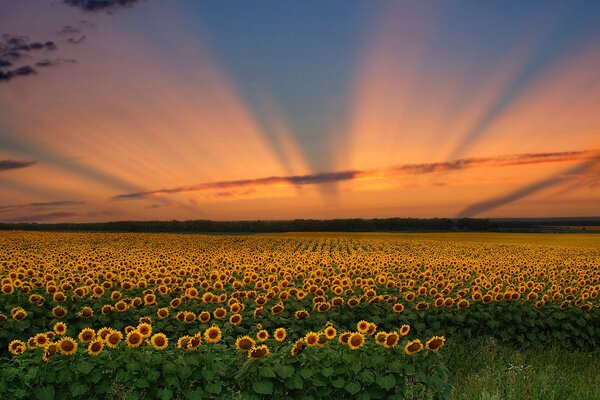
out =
column 280, row 334
column 86, row 335
column 145, row 329
column 297, row 347
column 134, row 338
column 213, row 334
column 19, row 314
column 381, row 338
column 16, row 347
column 413, row 347
column 262, row 335
column 404, row 330
column 220, row 313
column 60, row 328
column 103, row 333
column 311, row 339
column 362, row 326
column 8, row 288
column 344, row 337
column 235, row 319
column 301, row 314
column 421, row 306
column 463, row 303
column 435, row 343
column 258, row 352
column 204, row 317
column 162, row 312
column 41, row 340
column 159, row 341
column 356, row 340
column 330, row 332
column 120, row 306
column 398, row 307
column 391, row 340
column 49, row 350
column 86, row 312
column 244, row 343
column 189, row 317
column 194, row 342
column 95, row 347
column 372, row 328
column 67, row 346
column 113, row 339
column 182, row 342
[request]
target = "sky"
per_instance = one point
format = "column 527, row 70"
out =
column 237, row 110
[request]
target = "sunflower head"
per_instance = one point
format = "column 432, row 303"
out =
column 356, row 340
column 60, row 328
column 244, row 343
column 16, row 347
column 330, row 332
column 262, row 335
column 134, row 338
column 413, row 347
column 297, row 347
column 213, row 334
column 435, row 343
column 391, row 340
column 280, row 334
column 86, row 335
column 145, row 329
column 258, row 352
column 159, row 341
column 67, row 346
column 404, row 330
column 311, row 339
column 95, row 347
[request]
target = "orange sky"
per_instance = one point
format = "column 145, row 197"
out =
column 140, row 129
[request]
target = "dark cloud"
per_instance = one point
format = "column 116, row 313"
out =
column 407, row 169
column 14, row 48
column 5, row 165
column 42, row 217
column 101, row 5
column 38, row 205
column 565, row 176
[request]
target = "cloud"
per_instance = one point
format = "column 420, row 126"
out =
column 38, row 205
column 6, row 165
column 14, row 48
column 101, row 5
column 570, row 174
column 42, row 217
column 406, row 169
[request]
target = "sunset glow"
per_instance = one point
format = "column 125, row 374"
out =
column 232, row 110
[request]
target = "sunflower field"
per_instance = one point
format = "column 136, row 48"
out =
column 89, row 315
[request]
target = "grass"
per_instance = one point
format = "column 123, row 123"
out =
column 487, row 370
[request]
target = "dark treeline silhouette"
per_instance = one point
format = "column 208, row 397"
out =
column 314, row 225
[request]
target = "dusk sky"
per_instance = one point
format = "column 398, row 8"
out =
column 227, row 110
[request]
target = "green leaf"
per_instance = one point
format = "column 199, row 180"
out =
column 44, row 393
column 142, row 383
column 386, row 382
column 306, row 373
column 352, row 387
column 285, row 371
column 338, row 383
column 196, row 394
column 263, row 387
column 214, row 387
column 367, row 376
column 267, row 372
column 165, row 394
column 78, row 389
column 327, row 372
column 208, row 374
column 85, row 367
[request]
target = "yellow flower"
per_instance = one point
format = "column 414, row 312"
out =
column 86, row 335
column 134, row 338
column 356, row 340
column 213, row 334
column 159, row 341
column 413, row 347
column 279, row 334
column 16, row 347
column 95, row 347
column 244, row 343
column 435, row 343
column 258, row 352
column 67, row 346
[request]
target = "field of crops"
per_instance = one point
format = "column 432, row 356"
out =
column 167, row 316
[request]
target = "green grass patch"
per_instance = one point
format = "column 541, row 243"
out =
column 488, row 370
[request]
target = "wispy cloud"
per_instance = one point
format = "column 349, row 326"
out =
column 566, row 176
column 6, row 165
column 406, row 169
column 101, row 5
column 38, row 205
